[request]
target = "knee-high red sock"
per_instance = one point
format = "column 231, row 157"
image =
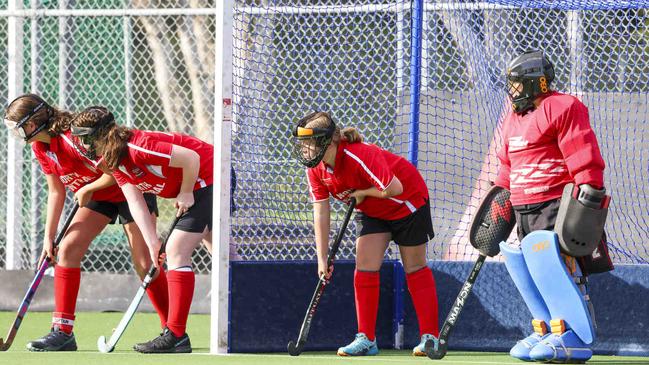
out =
column 66, row 290
column 366, row 292
column 181, row 292
column 158, row 293
column 421, row 285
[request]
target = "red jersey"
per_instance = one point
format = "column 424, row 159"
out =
column 362, row 165
column 548, row 148
column 146, row 164
column 60, row 158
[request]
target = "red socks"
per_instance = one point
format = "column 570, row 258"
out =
column 421, row 285
column 66, row 290
column 181, row 292
column 366, row 292
column 158, row 293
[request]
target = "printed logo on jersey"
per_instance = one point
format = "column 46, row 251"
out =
column 517, row 143
column 75, row 181
column 532, row 176
column 145, row 187
column 344, row 195
column 137, row 171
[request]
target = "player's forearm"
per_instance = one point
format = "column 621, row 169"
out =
column 55, row 202
column 103, row 182
column 140, row 212
column 393, row 189
column 190, row 162
column 321, row 224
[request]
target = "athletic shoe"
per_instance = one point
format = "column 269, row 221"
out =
column 523, row 347
column 563, row 349
column 361, row 346
column 56, row 340
column 420, row 350
column 167, row 342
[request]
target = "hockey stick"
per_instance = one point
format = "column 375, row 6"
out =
column 109, row 346
column 24, row 306
column 293, row 349
column 492, row 223
column 438, row 352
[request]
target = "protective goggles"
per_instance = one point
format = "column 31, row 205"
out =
column 88, row 135
column 16, row 127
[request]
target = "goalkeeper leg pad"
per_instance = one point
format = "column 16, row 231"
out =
column 517, row 268
column 556, row 285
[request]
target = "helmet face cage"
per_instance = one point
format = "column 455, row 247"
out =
column 310, row 144
column 528, row 76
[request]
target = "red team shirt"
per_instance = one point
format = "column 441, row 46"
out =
column 146, row 164
column 548, row 148
column 60, row 158
column 361, row 166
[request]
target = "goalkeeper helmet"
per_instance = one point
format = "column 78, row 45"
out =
column 312, row 136
column 528, row 76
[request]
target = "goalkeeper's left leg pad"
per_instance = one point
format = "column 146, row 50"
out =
column 560, row 293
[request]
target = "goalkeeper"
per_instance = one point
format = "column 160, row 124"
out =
column 548, row 144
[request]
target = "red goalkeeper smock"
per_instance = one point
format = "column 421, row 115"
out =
column 547, row 148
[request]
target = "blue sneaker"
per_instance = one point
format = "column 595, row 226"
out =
column 523, row 347
column 420, row 350
column 361, row 346
column 563, row 349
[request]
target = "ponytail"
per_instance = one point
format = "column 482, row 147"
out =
column 351, row 135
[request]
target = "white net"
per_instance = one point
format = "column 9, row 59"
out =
column 352, row 58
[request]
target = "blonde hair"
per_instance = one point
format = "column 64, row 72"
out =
column 58, row 120
column 323, row 120
column 111, row 140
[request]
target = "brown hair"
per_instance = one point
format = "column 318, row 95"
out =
column 111, row 141
column 323, row 120
column 58, row 120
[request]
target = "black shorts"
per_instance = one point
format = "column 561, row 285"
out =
column 413, row 230
column 115, row 210
column 199, row 215
column 534, row 217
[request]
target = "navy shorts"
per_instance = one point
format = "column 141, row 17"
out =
column 413, row 230
column 120, row 210
column 199, row 215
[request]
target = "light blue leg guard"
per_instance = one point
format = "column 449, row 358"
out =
column 572, row 327
column 517, row 268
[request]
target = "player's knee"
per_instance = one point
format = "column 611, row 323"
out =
column 70, row 255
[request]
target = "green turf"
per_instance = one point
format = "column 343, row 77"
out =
column 89, row 326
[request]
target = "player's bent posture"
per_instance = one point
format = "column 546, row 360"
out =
column 551, row 163
column 101, row 202
column 169, row 165
column 392, row 204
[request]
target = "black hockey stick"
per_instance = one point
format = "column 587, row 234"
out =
column 109, row 346
column 492, row 223
column 293, row 349
column 439, row 352
column 24, row 306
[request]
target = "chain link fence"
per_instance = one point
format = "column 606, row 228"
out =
column 151, row 64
